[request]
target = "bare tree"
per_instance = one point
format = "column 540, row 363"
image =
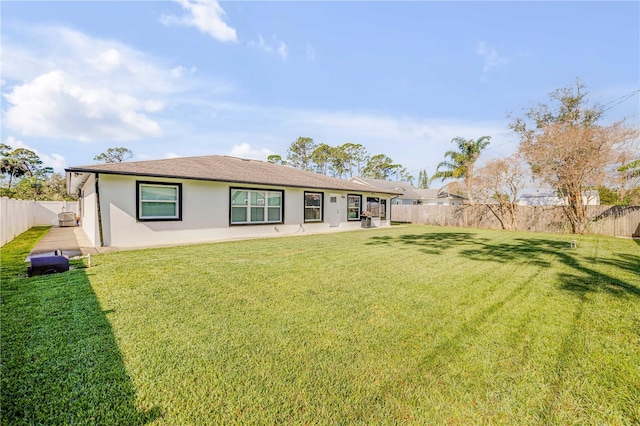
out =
column 499, row 184
column 568, row 150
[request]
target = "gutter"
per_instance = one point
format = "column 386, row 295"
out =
column 391, row 206
column 236, row 181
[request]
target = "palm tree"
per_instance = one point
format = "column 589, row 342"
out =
column 462, row 162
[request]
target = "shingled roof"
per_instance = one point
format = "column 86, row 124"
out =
column 406, row 189
column 227, row 169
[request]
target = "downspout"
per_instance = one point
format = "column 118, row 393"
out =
column 391, row 206
column 80, row 205
column 99, row 211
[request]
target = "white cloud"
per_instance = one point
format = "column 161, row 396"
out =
column 60, row 83
column 90, row 60
column 108, row 60
column 205, row 15
column 54, row 105
column 492, row 59
column 278, row 47
column 244, row 150
column 260, row 44
column 55, row 161
column 180, row 71
column 415, row 143
column 282, row 50
column 311, row 53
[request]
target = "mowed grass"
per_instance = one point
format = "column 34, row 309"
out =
column 404, row 325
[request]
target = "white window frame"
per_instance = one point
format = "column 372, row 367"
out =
column 177, row 201
column 265, row 205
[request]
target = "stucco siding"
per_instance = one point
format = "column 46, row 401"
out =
column 89, row 213
column 205, row 214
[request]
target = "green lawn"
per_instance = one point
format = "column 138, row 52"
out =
column 404, row 325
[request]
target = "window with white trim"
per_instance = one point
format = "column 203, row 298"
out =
column 313, row 206
column 353, row 207
column 159, row 201
column 254, row 206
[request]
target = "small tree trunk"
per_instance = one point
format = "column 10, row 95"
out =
column 498, row 215
column 576, row 213
column 513, row 215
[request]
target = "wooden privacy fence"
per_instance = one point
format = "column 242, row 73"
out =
column 616, row 221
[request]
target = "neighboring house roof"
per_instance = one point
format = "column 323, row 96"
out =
column 541, row 195
column 220, row 169
column 552, row 199
column 540, row 199
column 430, row 194
column 406, row 190
column 409, row 192
column 427, row 193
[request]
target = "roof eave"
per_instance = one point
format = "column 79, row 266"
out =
column 371, row 189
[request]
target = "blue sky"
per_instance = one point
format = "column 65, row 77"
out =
column 184, row 78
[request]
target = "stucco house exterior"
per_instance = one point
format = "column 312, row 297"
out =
column 412, row 195
column 210, row 198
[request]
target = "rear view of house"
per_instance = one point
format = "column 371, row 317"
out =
column 198, row 199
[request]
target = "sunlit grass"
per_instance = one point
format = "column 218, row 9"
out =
column 406, row 325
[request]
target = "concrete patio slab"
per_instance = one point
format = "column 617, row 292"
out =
column 72, row 241
column 69, row 241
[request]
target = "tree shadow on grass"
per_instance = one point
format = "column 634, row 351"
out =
column 579, row 275
column 627, row 262
column 586, row 280
column 60, row 360
column 430, row 243
column 536, row 252
column 583, row 276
